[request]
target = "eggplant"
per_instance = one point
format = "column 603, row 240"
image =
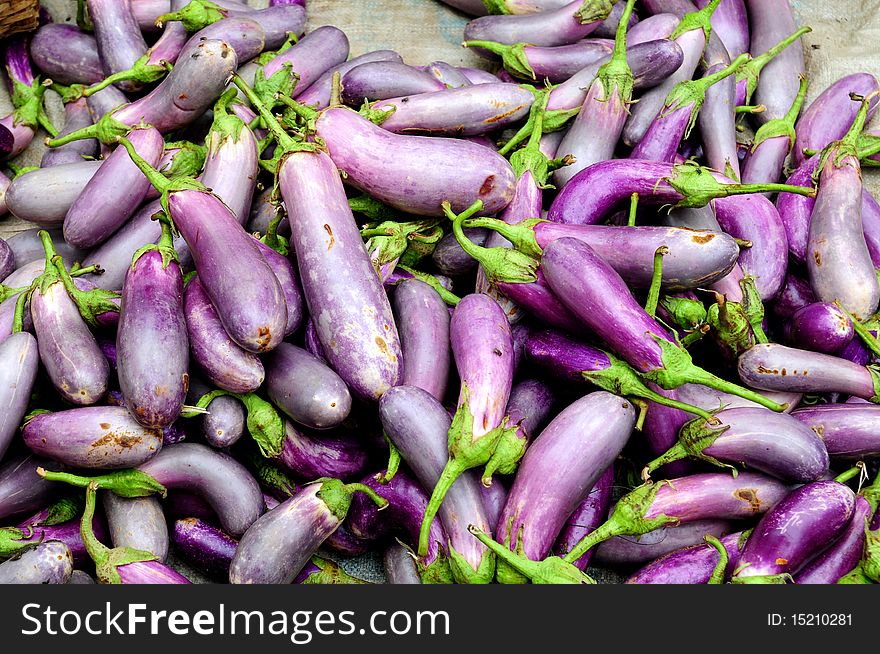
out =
column 555, row 63
column 312, row 455
column 399, row 565
column 76, row 116
column 590, row 513
column 19, row 362
column 639, row 550
column 66, row 54
column 381, row 80
column 820, row 327
column 848, row 430
column 204, row 546
column 842, row 556
column 566, row 24
column 318, row 93
column 21, row 489
column 44, row 196
column 311, row 57
column 136, row 522
column 691, row 565
column 120, row 42
column 46, row 563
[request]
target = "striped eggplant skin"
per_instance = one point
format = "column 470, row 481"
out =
column 849, row 431
column 844, row 554
column 400, row 565
column 49, row 562
column 558, row 26
column 119, row 39
column 76, row 116
column 382, row 80
column 95, row 437
column 691, row 565
column 638, row 550
column 150, row 572
column 309, row 455
column 318, row 93
column 204, row 546
column 285, row 273
column 221, row 480
column 821, row 327
column 494, row 498
column 19, row 364
column 560, row 467
column 589, row 514
column 137, row 522
column 44, row 196
column 66, row 54
column 713, row 400
column 345, row 297
column 22, row 490
column 800, row 526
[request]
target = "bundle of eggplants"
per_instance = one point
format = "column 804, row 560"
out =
column 613, row 292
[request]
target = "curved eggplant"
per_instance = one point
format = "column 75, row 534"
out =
column 137, row 522
column 821, row 327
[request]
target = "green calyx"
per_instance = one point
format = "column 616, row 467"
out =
column 550, row 121
column 871, row 559
column 521, row 235
column 421, row 245
column 753, row 307
column 697, row 20
column 530, row 158
column 438, row 571
column 62, row 511
column 501, row 265
column 848, row 146
column 692, row 93
column 751, row 71
column 337, row 495
column 107, row 561
column 783, row 126
column 226, row 126
column 698, row 186
column 195, row 16
column 868, row 146
column 510, row 446
column 447, row 296
column 593, row 11
column 374, row 210
column 189, row 161
column 280, row 84
column 268, row 473
column 513, row 57
column 27, row 105
column 496, row 7
column 165, row 246
column 782, row 578
column 125, row 483
column 693, row 439
column 330, row 573
column 387, row 241
column 107, row 130
column 686, row 313
column 732, row 328
column 720, row 571
column 871, row 493
column 393, row 462
column 7, row 292
column 12, row 542
column 552, row 570
column 464, row 573
column 626, row 519
column 141, row 71
column 855, row 576
column 616, row 75
column 377, row 116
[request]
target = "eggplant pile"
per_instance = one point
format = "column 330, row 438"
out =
column 613, row 305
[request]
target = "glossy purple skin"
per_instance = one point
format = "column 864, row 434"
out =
column 494, row 498
column 560, row 467
column 231, row 171
column 546, row 28
column 838, row 260
column 717, row 121
column 589, row 514
column 44, row 196
column 76, row 116
column 191, row 88
column 418, row 424
column 136, row 522
column 399, row 565
column 794, row 295
column 241, row 285
column 183, row 504
column 559, row 63
column 731, row 23
column 423, row 323
column 225, row 422
column 204, row 546
column 344, row 295
column 66, row 55
column 415, row 173
column 68, row 349
column 318, row 92
column 539, row 300
column 242, row 33
column 775, row 367
column 529, row 407
column 150, row 572
column 447, row 74
column 312, row 455
column 465, row 111
column 820, row 327
column 451, row 259
column 66, row 532
column 831, row 114
column 312, row 343
column 715, row 51
column 19, row 363
column 120, row 42
column 764, row 163
column 221, row 480
column 691, row 565
column 168, row 46
column 800, row 526
column 224, row 362
column 712, row 400
column 608, row 28
column 94, row 437
column 638, row 550
column 48, row 563
column 342, row 541
column 277, row 21
column 288, row 277
column 843, row 555
column 380, row 80
column 857, row 353
column 695, row 258
column 849, row 430
column 407, row 502
column 482, row 347
column 151, row 323
column 562, row 356
column 280, row 543
column 663, row 136
column 652, row 28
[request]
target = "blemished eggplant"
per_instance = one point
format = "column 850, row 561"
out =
column 19, row 363
column 92, row 437
column 639, row 550
column 451, row 76
column 310, row 455
column 590, row 513
column 44, row 196
column 60, row 522
column 849, row 430
column 46, row 563
column 120, row 42
column 21, row 489
column 821, row 327
column 691, row 565
column 136, row 522
column 596, row 427
column 204, row 546
column 801, row 525
column 280, row 543
column 566, row 24
column 842, row 556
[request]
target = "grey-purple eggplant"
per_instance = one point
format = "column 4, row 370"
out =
column 287, row 276
column 596, row 427
column 451, row 259
column 21, row 489
column 7, row 260
column 566, row 24
column 59, row 521
column 225, row 421
column 399, row 565
column 66, row 54
column 280, row 543
column 638, row 550
column 842, row 556
column 450, row 76
column 730, row 22
column 44, row 196
column 244, row 35
column 103, row 103
column 310, row 455
column 120, row 42
column 319, row 92
column 49, row 562
column 76, row 116
column 589, row 514
column 528, row 408
column 821, row 327
column 19, row 362
column 423, row 323
column 801, row 525
column 27, row 91
column 136, row 522
column 692, row 565
column 103, row 437
column 418, row 426
column 204, row 546
column 304, row 388
column 849, row 430
column 4, row 185
column 27, row 247
column 381, row 80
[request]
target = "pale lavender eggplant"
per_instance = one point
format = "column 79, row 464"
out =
column 204, row 546
column 223, row 361
column 278, row 21
column 120, row 42
column 639, row 550
column 136, row 522
column 717, row 495
column 849, row 430
column 105, row 101
column 717, row 124
column 44, row 196
column 691, row 565
column 652, row 28
column 529, row 406
column 47, row 563
column 318, row 92
column 4, row 185
column 561, row 466
column 225, row 422
column 19, row 362
column 713, row 400
column 231, row 170
column 76, row 116
column 843, row 555
column 477, row 75
column 399, row 565
column 820, row 327
column 423, row 323
column 800, row 526
column 66, row 55
column 494, row 498
column 380, row 80
column 451, row 259
column 312, row 343
column 715, row 50
column 345, row 297
column 448, row 75
column 221, row 480
column 547, row 28
column 559, row 63
column 27, row 247
column 590, row 513
column 147, row 11
column 243, row 34
column 608, row 27
column 415, row 173
column 288, row 278
column 731, row 23
column 774, row 367
column 263, row 211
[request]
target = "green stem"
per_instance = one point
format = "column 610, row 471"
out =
column 863, row 332
column 95, row 548
column 603, row 532
column 696, row 20
column 393, row 463
column 156, row 178
column 751, row 71
column 285, row 141
column 633, row 206
column 451, row 472
column 675, row 453
column 750, row 109
column 656, row 280
column 513, row 57
column 846, row 475
column 377, row 499
column 446, row 295
column 697, row 375
column 720, row 571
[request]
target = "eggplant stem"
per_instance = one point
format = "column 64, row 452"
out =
column 656, row 280
column 633, row 206
column 451, row 472
column 846, row 475
column 720, row 571
column 697, row 375
column 608, row 529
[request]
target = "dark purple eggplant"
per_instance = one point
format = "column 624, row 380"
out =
column 691, row 565
column 842, row 556
column 311, row 455
column 136, row 522
column 590, row 513
column 821, row 327
column 204, row 546
column 21, row 489
column 19, row 362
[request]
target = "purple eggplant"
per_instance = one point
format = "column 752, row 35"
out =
column 380, row 80
column 266, row 209
column 28, row 247
column 318, row 93
column 44, row 196
column 225, row 422
column 49, row 562
column 7, row 260
column 136, row 522
column 399, row 565
column 286, row 274
column 26, row 93
column 848, row 430
column 76, row 116
column 730, row 22
column 691, row 565
column 566, row 24
column 820, row 327
column 66, row 55
column 529, row 406
column 310, row 455
column 245, row 36
column 639, row 550
column 589, row 514
column 4, row 186
column 450, row 76
column 92, row 437
column 596, row 427
column 19, row 362
column 555, row 64
column 119, row 38
column 451, row 259
column 801, row 525
column 21, row 489
column 280, row 543
column 794, row 295
column 494, row 498
column 842, row 556
column 103, row 103
column 204, row 546
column 59, row 522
